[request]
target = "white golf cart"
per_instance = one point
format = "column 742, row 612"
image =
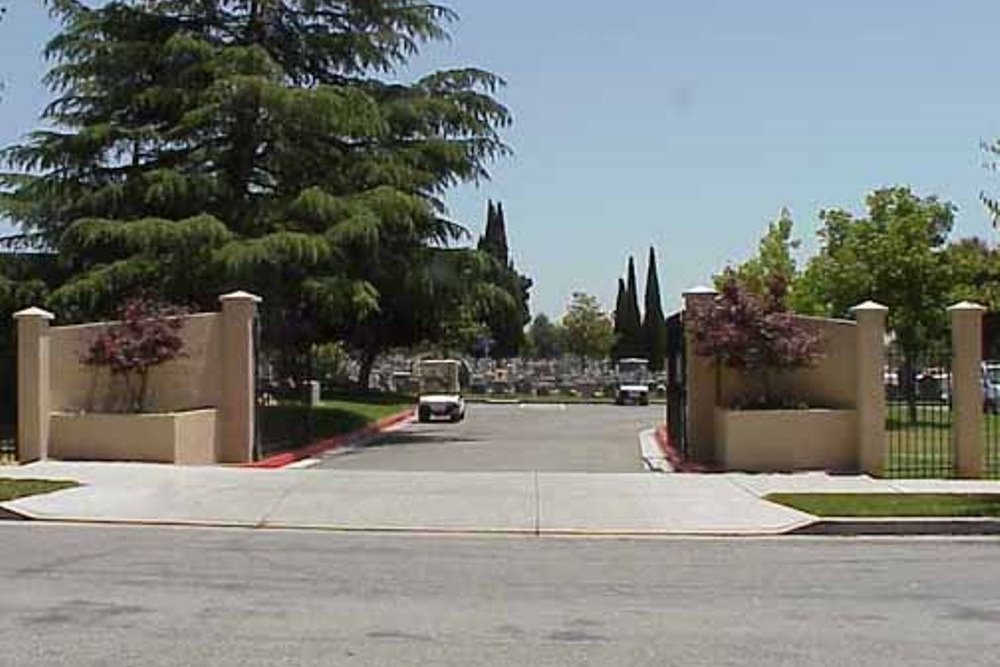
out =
column 440, row 390
column 633, row 381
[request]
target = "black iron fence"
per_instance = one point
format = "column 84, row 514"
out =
column 8, row 406
column 918, row 394
column 676, row 363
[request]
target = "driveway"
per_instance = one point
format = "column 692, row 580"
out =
column 514, row 438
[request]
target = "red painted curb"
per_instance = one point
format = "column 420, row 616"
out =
column 327, row 444
column 674, row 456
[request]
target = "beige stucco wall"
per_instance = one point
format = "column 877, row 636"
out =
column 187, row 437
column 780, row 440
column 832, row 383
column 191, row 382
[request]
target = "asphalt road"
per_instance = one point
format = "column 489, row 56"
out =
column 570, row 438
column 89, row 596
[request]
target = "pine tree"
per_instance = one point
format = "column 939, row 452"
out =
column 198, row 146
column 654, row 325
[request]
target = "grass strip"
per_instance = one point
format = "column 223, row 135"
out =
column 289, row 425
column 11, row 489
column 892, row 504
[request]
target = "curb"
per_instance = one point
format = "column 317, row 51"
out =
column 11, row 515
column 853, row 526
column 673, row 455
column 337, row 442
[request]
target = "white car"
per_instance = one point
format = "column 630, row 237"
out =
column 440, row 391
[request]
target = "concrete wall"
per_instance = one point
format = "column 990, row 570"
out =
column 180, row 437
column 787, row 440
column 848, row 433
column 191, row 382
column 199, row 407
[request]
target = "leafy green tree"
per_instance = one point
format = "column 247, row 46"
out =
column 774, row 258
column 654, row 326
column 197, row 146
column 974, row 272
column 545, row 338
column 588, row 331
column 896, row 256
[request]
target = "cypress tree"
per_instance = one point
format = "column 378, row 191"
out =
column 502, row 247
column 506, row 318
column 633, row 345
column 486, row 240
column 654, row 325
column 619, row 324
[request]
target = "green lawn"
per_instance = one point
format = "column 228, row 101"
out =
column 289, row 425
column 891, row 504
column 19, row 488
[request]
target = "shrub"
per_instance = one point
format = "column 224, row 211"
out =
column 146, row 336
column 755, row 333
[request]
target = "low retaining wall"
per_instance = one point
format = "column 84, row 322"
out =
column 780, row 440
column 189, row 437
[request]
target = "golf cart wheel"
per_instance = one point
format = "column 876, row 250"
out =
column 457, row 417
column 424, row 414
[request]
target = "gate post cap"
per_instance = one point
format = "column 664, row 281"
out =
column 34, row 313
column 870, row 307
column 700, row 290
column 966, row 307
column 240, row 295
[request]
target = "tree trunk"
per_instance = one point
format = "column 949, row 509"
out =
column 368, row 358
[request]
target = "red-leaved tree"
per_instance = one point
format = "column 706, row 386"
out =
column 147, row 335
column 756, row 334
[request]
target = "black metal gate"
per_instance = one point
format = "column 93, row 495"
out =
column 918, row 395
column 991, row 393
column 677, row 383
column 285, row 401
column 8, row 404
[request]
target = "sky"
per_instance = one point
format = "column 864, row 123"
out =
column 687, row 125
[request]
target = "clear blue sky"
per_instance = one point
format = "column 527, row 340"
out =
column 688, row 125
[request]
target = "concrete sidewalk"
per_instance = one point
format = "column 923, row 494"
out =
column 516, row 502
column 502, row 502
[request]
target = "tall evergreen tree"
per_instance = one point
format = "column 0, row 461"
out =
column 506, row 321
column 502, row 246
column 619, row 321
column 196, row 146
column 654, row 326
column 633, row 344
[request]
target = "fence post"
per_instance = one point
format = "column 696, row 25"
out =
column 33, row 385
column 870, row 407
column 701, row 385
column 967, row 388
column 237, row 418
